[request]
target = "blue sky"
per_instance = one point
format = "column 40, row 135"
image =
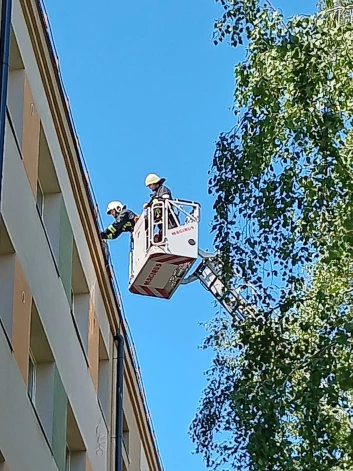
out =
column 150, row 93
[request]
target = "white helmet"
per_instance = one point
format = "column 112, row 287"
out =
column 115, row 205
column 153, row 178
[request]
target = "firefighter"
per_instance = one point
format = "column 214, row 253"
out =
column 125, row 220
column 160, row 193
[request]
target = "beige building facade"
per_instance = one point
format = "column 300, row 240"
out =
column 70, row 393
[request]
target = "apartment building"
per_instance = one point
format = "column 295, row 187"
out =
column 70, row 393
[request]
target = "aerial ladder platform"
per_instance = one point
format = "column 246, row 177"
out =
column 165, row 254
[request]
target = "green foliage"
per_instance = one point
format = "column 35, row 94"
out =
column 280, row 387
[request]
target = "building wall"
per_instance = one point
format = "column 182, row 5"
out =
column 143, row 460
column 48, row 291
column 17, row 418
column 56, row 328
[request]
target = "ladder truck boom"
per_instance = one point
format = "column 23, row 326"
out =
column 209, row 273
column 159, row 265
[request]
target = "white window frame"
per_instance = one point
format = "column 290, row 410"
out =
column 32, row 378
column 40, row 206
column 72, row 301
column 67, row 459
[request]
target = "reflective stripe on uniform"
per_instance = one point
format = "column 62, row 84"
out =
column 126, row 225
column 109, row 236
column 112, row 229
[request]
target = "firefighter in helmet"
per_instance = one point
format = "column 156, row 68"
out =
column 160, row 193
column 125, row 220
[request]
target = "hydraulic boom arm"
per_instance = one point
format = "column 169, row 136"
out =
column 209, row 273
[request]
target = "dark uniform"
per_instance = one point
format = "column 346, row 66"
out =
column 124, row 222
column 161, row 194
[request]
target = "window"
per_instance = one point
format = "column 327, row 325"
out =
column 15, row 302
column 55, row 216
column 49, row 198
column 80, row 299
column 16, row 89
column 75, row 448
column 40, row 200
column 72, row 301
column 32, row 378
column 2, row 463
column 103, row 378
column 7, row 280
column 67, row 459
column 125, row 435
column 49, row 397
column 41, row 374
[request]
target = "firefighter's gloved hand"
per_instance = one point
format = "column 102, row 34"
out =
column 103, row 235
